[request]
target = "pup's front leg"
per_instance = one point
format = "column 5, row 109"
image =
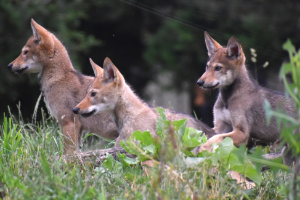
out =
column 221, row 127
column 208, row 145
column 236, row 135
column 72, row 136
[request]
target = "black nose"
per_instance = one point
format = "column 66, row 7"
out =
column 200, row 83
column 75, row 110
column 10, row 65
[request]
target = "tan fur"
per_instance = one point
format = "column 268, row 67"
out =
column 241, row 180
column 239, row 110
column 62, row 86
column 110, row 93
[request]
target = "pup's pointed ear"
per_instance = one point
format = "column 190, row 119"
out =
column 110, row 73
column 41, row 35
column 98, row 71
column 234, row 48
column 35, row 32
column 211, row 44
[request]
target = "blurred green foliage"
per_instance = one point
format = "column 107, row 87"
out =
column 290, row 133
column 141, row 35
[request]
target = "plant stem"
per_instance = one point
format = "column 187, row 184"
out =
column 296, row 171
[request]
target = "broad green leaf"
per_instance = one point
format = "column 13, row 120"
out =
column 188, row 153
column 111, row 164
column 214, row 157
column 240, row 163
column 193, row 161
column 150, row 149
column 191, row 143
column 192, row 138
column 108, row 163
column 226, row 147
column 121, row 158
column 129, row 150
column 145, row 137
column 131, row 161
column 204, row 154
column 253, row 174
column 179, row 126
column 288, row 46
column 258, row 154
column 135, row 148
column 129, row 176
column 285, row 68
column 144, row 156
column 233, row 161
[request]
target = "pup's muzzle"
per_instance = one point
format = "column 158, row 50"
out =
column 75, row 110
column 200, row 83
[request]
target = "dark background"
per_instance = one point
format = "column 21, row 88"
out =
column 140, row 35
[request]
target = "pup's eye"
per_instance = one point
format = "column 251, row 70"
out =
column 218, row 68
column 93, row 94
column 25, row 52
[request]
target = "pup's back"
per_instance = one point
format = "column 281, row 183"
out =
column 268, row 133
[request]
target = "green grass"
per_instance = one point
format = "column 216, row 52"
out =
column 29, row 170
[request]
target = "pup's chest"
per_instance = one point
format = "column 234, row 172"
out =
column 222, row 114
column 54, row 104
column 50, row 107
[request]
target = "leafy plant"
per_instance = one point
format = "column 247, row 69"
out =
column 175, row 143
column 291, row 124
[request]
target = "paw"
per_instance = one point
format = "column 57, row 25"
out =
column 147, row 164
column 208, row 145
column 205, row 147
column 196, row 150
column 216, row 139
column 241, row 180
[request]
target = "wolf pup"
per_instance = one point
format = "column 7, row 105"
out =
column 62, row 86
column 239, row 110
column 110, row 93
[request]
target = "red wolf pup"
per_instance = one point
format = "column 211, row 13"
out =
column 239, row 110
column 62, row 86
column 110, row 93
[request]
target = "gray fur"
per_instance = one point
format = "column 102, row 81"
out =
column 239, row 110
